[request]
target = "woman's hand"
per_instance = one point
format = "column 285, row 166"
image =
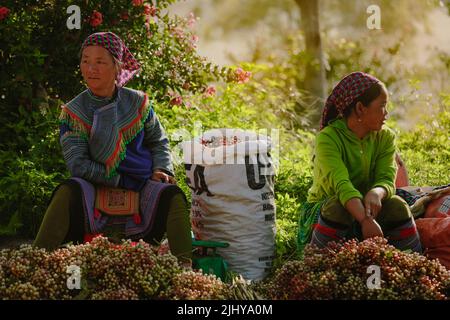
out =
column 160, row 176
column 372, row 201
column 370, row 228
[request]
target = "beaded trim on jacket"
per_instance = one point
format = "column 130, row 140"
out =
column 108, row 129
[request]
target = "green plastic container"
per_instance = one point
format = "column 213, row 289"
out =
column 205, row 258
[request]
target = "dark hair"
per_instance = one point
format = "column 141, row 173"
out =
column 366, row 98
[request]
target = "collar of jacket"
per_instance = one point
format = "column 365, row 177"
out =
column 341, row 126
column 98, row 102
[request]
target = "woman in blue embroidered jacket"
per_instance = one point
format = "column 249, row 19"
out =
column 110, row 136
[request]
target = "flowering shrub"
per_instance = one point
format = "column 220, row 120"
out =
column 96, row 19
column 3, row 13
column 242, row 76
column 39, row 71
column 165, row 47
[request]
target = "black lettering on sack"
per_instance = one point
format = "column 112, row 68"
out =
column 249, row 168
column 199, row 182
column 197, row 213
column 268, row 206
column 266, row 258
column 269, row 217
column 187, row 167
column 267, row 195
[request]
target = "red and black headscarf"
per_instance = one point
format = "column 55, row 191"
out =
column 111, row 42
column 350, row 88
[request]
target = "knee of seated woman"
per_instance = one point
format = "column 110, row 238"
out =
column 178, row 201
column 64, row 191
column 68, row 189
column 334, row 211
column 395, row 209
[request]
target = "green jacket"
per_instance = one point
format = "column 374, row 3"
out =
column 349, row 167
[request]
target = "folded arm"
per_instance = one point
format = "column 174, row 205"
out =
column 75, row 150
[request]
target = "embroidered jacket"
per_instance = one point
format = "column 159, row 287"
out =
column 117, row 142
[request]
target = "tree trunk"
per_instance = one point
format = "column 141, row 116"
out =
column 315, row 71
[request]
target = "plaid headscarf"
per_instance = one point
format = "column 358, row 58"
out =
column 345, row 92
column 111, row 42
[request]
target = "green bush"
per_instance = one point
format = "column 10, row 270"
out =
column 41, row 53
column 426, row 149
column 30, row 175
column 39, row 63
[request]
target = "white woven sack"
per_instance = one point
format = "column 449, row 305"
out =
column 234, row 202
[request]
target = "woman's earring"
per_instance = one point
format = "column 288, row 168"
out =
column 359, row 120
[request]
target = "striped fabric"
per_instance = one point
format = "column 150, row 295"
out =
column 405, row 237
column 96, row 142
column 445, row 206
column 75, row 149
column 407, row 196
column 346, row 91
column 308, row 217
column 323, row 233
column 149, row 201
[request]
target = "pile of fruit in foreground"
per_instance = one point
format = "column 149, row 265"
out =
column 140, row 271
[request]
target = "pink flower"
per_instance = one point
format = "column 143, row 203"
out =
column 210, row 91
column 158, row 53
column 176, row 101
column 96, row 19
column 147, row 26
column 175, row 60
column 178, row 32
column 4, row 12
column 137, row 3
column 124, row 15
column 193, row 43
column 242, row 76
column 150, row 10
column 191, row 20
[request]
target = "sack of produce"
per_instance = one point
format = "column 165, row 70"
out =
column 230, row 172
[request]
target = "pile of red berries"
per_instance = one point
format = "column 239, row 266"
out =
column 344, row 271
column 106, row 271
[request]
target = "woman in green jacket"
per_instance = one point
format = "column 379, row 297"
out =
column 353, row 191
